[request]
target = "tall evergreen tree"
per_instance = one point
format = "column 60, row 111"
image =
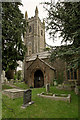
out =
column 64, row 18
column 13, row 28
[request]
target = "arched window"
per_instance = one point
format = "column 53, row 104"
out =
column 30, row 29
column 72, row 74
column 41, row 32
column 75, row 74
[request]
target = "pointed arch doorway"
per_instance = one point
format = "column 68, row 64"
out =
column 38, row 79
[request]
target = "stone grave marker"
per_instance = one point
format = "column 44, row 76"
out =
column 47, row 87
column 55, row 83
column 3, row 78
column 27, row 98
column 76, row 90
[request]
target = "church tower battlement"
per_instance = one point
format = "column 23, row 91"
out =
column 35, row 35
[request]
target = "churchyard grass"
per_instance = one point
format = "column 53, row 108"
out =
column 21, row 85
column 6, row 87
column 43, row 107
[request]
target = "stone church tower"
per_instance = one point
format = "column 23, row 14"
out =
column 35, row 36
column 37, row 71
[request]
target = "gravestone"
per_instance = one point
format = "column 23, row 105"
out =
column 47, row 87
column 27, row 98
column 76, row 90
column 55, row 83
column 3, row 78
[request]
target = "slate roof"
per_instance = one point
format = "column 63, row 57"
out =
column 43, row 62
column 47, row 64
column 41, row 55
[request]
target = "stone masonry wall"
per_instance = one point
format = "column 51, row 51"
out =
column 38, row 65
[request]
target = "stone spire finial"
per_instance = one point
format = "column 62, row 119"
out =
column 37, row 55
column 43, row 22
column 26, row 15
column 36, row 11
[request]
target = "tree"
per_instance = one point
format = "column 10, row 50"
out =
column 64, row 18
column 13, row 28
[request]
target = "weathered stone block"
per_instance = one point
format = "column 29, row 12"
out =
column 13, row 93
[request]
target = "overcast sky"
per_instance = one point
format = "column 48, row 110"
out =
column 29, row 6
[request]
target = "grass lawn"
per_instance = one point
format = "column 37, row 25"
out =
column 42, row 108
column 6, row 87
column 21, row 85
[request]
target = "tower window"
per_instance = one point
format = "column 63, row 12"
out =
column 30, row 52
column 30, row 29
column 41, row 32
column 71, row 73
column 75, row 74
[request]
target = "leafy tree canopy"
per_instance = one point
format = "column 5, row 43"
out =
column 64, row 18
column 13, row 28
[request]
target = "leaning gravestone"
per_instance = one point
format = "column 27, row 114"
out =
column 27, row 98
column 47, row 87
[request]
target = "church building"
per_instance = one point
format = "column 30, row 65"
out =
column 38, row 70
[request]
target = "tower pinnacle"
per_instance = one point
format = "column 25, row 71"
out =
column 26, row 15
column 43, row 22
column 36, row 11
